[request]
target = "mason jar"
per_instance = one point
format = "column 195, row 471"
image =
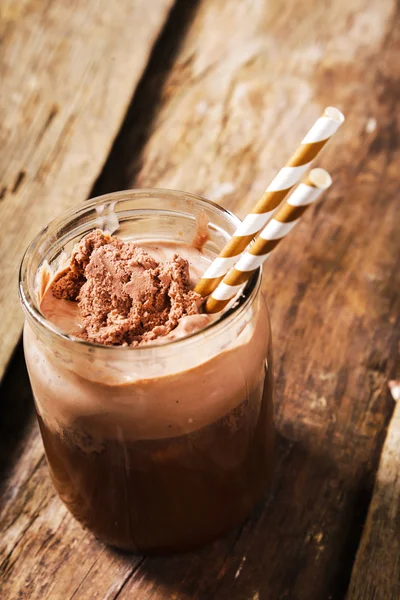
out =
column 161, row 447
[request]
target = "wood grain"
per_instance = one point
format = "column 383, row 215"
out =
column 219, row 119
column 231, row 110
column 68, row 70
column 376, row 572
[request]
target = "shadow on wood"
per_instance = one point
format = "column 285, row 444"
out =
column 281, row 530
column 16, row 410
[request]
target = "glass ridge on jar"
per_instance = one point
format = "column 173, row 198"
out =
column 157, row 448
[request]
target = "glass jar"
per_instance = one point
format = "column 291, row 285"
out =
column 155, row 448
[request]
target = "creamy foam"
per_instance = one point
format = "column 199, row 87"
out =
column 154, row 392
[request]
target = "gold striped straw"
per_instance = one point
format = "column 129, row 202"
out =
column 283, row 221
column 288, row 176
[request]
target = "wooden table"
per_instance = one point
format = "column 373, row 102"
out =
column 212, row 96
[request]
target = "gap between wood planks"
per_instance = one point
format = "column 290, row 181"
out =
column 124, row 160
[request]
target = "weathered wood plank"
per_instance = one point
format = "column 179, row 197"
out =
column 376, row 572
column 68, row 70
column 247, row 81
column 232, row 109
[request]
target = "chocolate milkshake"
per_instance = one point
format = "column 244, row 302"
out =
column 156, row 418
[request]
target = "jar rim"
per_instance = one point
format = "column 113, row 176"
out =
column 226, row 319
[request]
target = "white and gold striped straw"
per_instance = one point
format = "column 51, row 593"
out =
column 322, row 130
column 283, row 221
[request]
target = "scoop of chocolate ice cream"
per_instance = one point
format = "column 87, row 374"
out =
column 125, row 296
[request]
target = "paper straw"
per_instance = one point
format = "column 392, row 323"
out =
column 283, row 221
column 288, row 176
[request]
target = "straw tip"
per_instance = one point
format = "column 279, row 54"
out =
column 320, row 178
column 335, row 114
